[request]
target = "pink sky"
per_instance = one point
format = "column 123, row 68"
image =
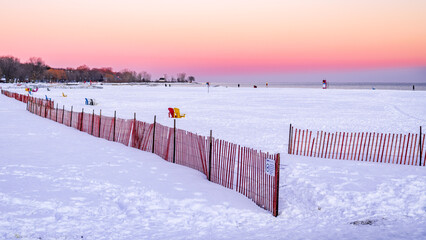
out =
column 206, row 37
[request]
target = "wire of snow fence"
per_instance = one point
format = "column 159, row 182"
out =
column 191, row 150
column 162, row 141
column 17, row 96
column 107, row 126
column 251, row 173
column 223, row 162
column 87, row 123
column 404, row 149
column 255, row 181
column 123, row 131
column 142, row 136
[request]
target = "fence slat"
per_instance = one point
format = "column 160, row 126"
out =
column 413, row 151
column 363, row 148
column 309, row 144
column 406, row 149
column 302, row 143
column 359, row 146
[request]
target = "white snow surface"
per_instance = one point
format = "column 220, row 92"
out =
column 59, row 183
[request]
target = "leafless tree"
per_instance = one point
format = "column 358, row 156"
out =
column 37, row 68
column 146, row 77
column 181, row 77
column 9, row 66
column 24, row 72
column 191, row 79
column 83, row 73
column 127, row 75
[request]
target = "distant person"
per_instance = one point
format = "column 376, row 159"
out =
column 165, row 84
column 238, row 85
column 324, row 84
column 413, row 88
column 170, row 85
column 254, row 86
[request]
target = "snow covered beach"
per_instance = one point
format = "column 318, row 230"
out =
column 78, row 185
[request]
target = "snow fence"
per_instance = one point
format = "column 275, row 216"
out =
column 254, row 174
column 405, row 149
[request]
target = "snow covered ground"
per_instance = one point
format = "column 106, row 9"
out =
column 59, row 183
column 257, row 118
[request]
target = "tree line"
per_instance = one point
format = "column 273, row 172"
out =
column 36, row 70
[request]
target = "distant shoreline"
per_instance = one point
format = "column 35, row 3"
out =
column 348, row 85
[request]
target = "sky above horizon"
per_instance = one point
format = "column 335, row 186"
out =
column 205, row 38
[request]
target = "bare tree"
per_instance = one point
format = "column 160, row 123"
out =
column 24, row 72
column 191, row 79
column 37, row 68
column 9, row 66
column 181, row 77
column 95, row 75
column 127, row 75
column 71, row 74
column 146, row 77
column 83, row 73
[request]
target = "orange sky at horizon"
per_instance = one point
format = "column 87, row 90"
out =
column 216, row 37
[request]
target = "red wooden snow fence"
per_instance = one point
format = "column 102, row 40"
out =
column 395, row 148
column 254, row 174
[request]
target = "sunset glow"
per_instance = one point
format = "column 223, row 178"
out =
column 216, row 37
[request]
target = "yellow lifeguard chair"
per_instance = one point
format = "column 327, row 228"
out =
column 63, row 95
column 177, row 113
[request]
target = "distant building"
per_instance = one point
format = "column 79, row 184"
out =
column 162, row 80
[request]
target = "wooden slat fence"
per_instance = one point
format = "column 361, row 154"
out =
column 359, row 146
column 231, row 166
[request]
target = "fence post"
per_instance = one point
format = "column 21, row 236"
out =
column 93, row 119
column 153, row 134
column 71, row 118
column 420, row 146
column 45, row 110
column 81, row 122
column 50, row 109
column 115, row 119
column 56, row 112
column 63, row 113
column 289, row 139
column 100, row 118
column 210, row 154
column 277, row 184
column 134, row 130
column 174, row 141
